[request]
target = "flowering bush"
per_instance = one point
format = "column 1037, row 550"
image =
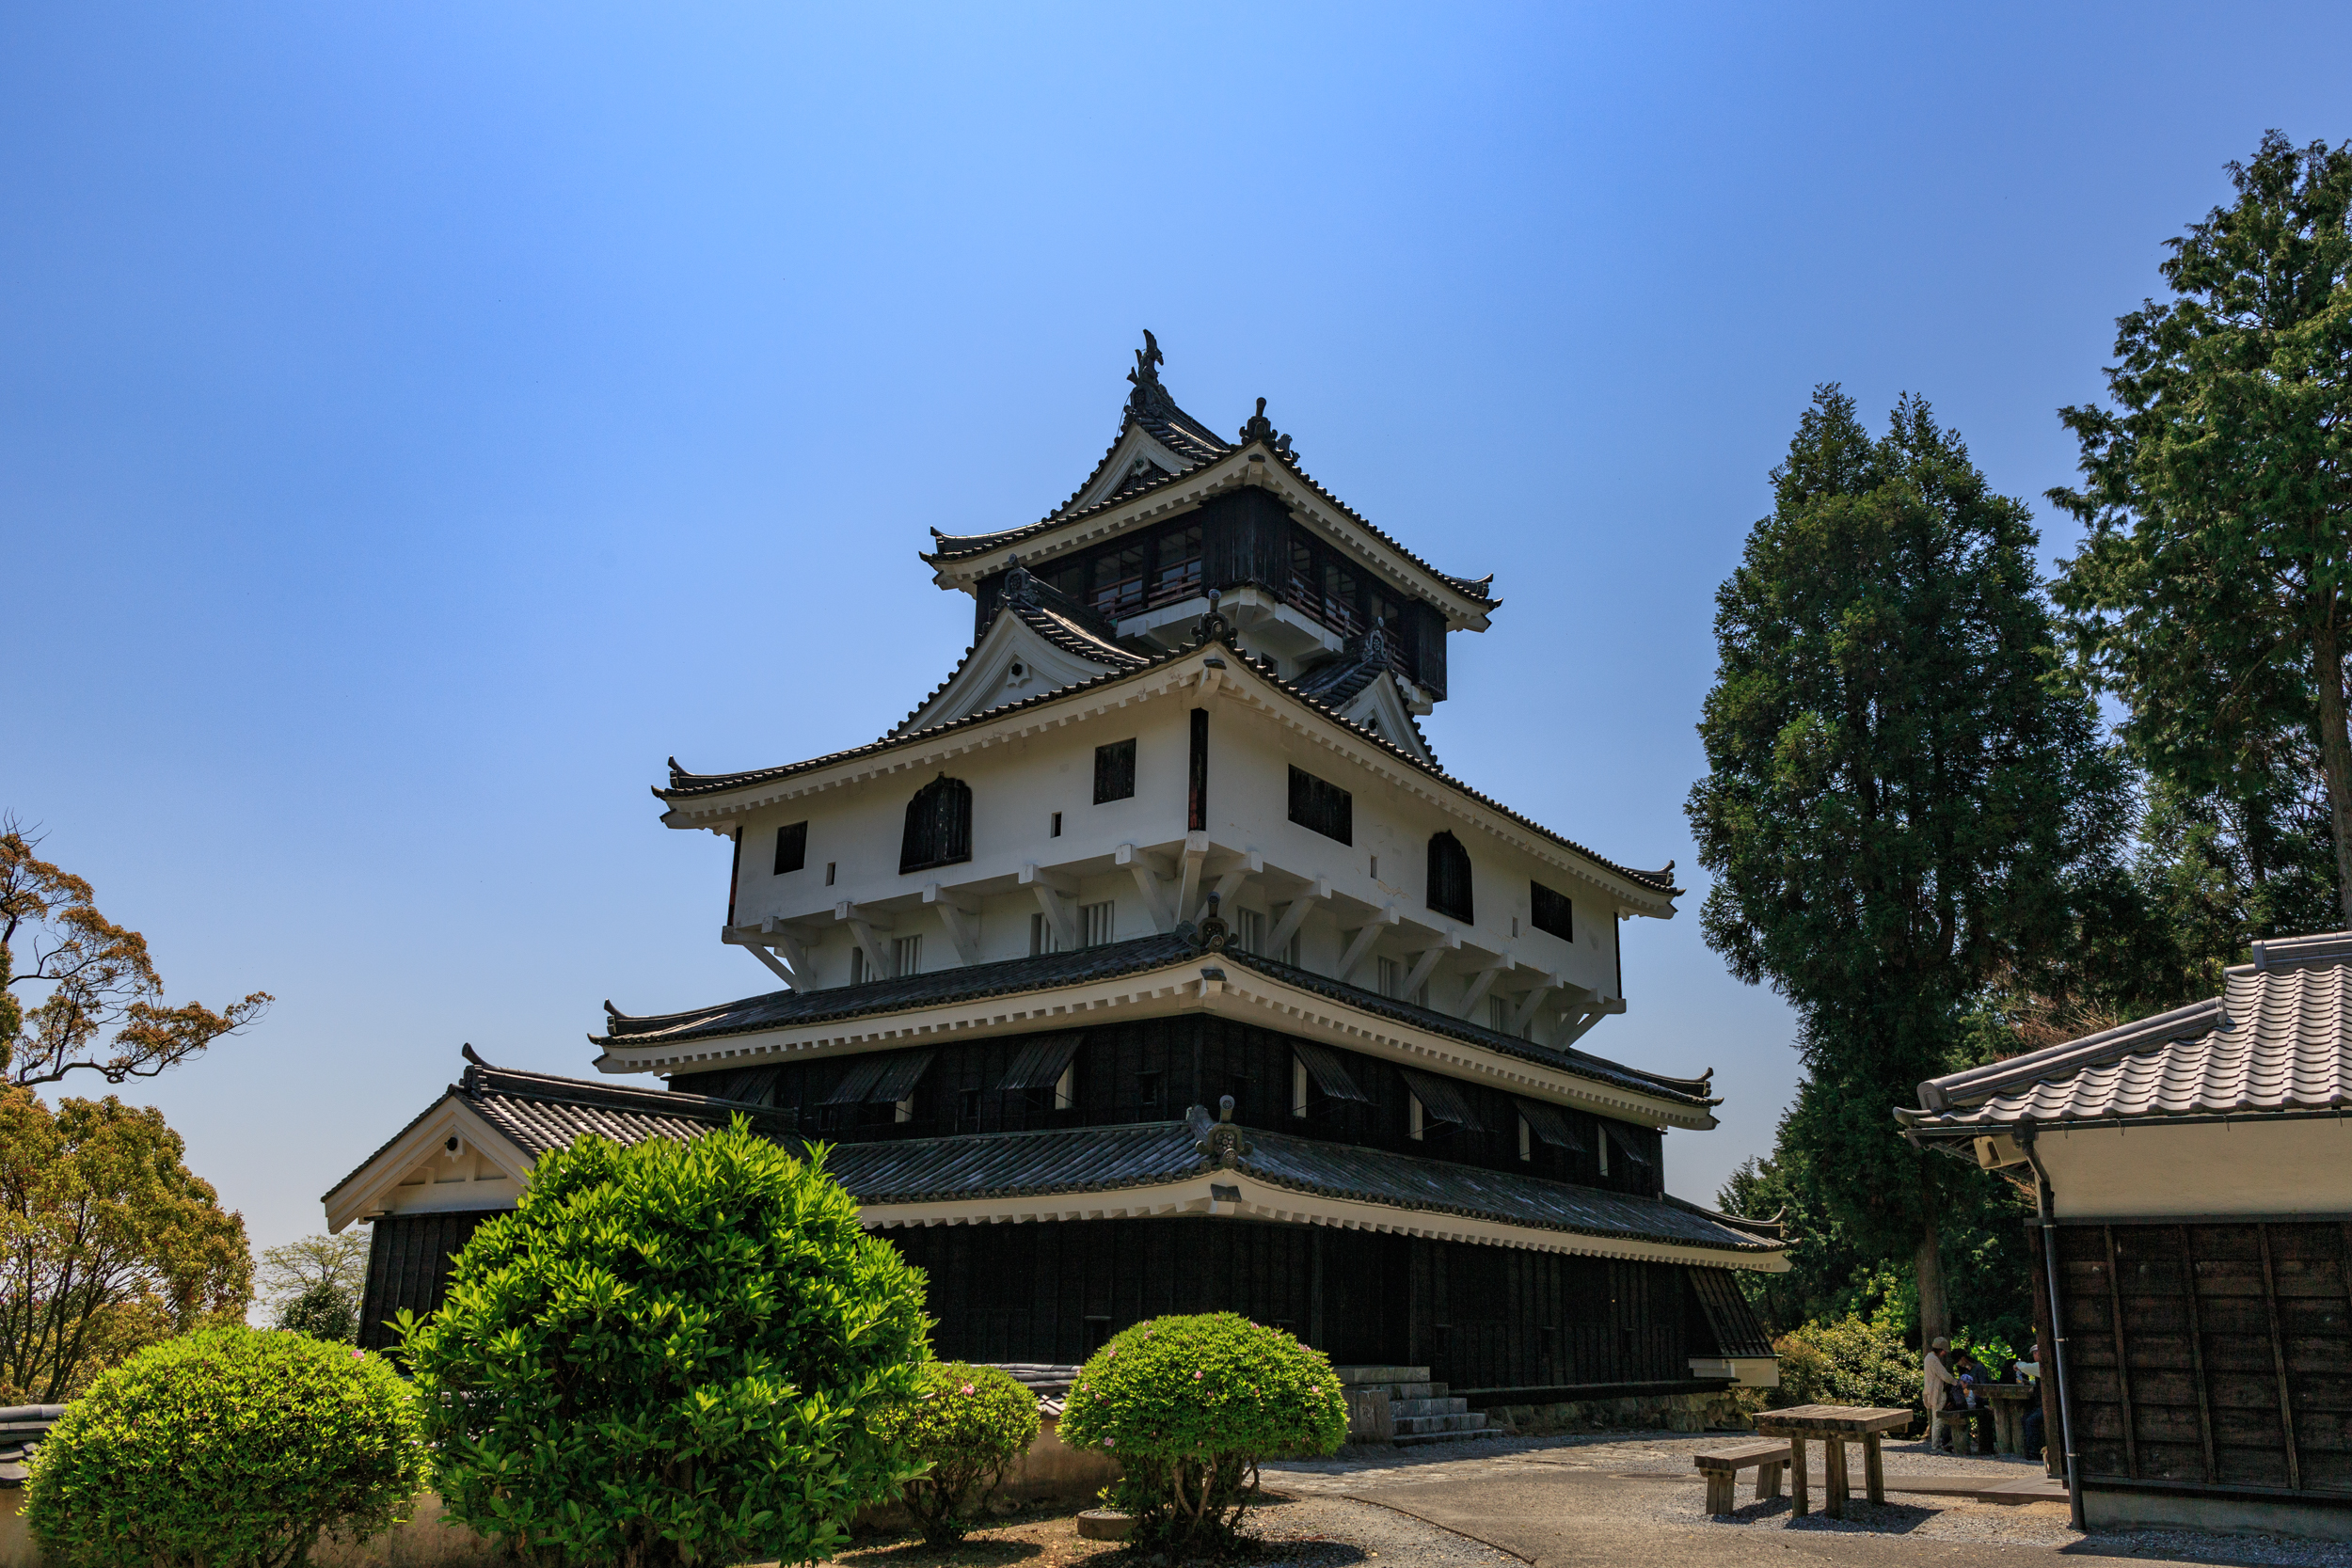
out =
column 229, row 1445
column 1189, row 1406
column 968, row 1424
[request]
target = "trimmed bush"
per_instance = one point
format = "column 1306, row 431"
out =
column 1189, row 1406
column 323, row 1311
column 968, row 1424
column 230, row 1448
column 1858, row 1361
column 670, row 1354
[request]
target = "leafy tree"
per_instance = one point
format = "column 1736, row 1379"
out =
column 1906, row 796
column 2212, row 591
column 674, row 1352
column 93, row 979
column 107, row 1242
column 313, row 1285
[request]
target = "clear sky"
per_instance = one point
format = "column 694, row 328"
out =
column 417, row 422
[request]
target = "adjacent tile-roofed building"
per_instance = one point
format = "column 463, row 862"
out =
column 2193, row 1176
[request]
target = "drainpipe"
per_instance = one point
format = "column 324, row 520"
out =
column 2047, row 1203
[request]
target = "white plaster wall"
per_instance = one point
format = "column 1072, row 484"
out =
column 1017, row 786
column 2252, row 1166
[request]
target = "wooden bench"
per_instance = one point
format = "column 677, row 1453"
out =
column 1724, row 1465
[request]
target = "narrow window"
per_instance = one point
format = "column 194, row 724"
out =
column 1392, row 977
column 828, row 865
column 1042, row 937
column 1066, row 1087
column 1601, row 1144
column 939, row 826
column 1499, row 1015
column 1298, row 1087
column 1450, row 878
column 1376, row 868
column 792, row 848
column 1096, row 923
column 968, row 1111
column 857, row 966
column 1056, row 832
column 1416, row 1123
column 1527, row 1141
column 1551, row 911
column 1149, row 1094
column 906, row 956
column 1249, row 928
column 1115, row 771
column 1321, row 806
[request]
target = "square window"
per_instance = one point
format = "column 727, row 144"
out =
column 1321, row 806
column 792, row 848
column 1114, row 771
column 1551, row 911
column 1097, row 923
column 906, row 956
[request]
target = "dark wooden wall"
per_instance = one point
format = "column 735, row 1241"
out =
column 2210, row 1354
column 409, row 1265
column 1152, row 1069
column 1480, row 1317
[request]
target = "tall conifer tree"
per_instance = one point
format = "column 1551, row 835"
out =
column 2214, row 593
column 1904, row 792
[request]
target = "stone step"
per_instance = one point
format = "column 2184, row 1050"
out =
column 1382, row 1374
column 1402, row 1408
column 1466, row 1420
column 1399, row 1390
column 1414, row 1439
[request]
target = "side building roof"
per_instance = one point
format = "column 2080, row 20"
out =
column 2277, row 1041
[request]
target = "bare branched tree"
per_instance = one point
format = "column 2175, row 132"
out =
column 79, row 991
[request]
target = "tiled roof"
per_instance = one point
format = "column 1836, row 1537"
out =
column 1188, row 437
column 2278, row 1038
column 791, row 1010
column 1062, row 631
column 1104, row 1159
column 539, row 1111
column 685, row 786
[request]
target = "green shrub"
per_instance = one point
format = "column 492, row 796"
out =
column 230, row 1448
column 674, row 1352
column 968, row 1424
column 1189, row 1406
column 1858, row 1361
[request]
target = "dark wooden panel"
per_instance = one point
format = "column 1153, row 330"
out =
column 410, row 1257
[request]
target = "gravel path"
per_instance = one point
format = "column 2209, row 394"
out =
column 1634, row 1497
column 1329, row 1531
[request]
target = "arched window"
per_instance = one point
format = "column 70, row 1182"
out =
column 1450, row 878
column 939, row 826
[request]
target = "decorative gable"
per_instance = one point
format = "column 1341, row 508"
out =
column 1028, row 650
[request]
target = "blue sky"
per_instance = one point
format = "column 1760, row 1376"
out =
column 415, row 422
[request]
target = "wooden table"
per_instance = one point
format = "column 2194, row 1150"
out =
column 2010, row 1401
column 1834, row 1426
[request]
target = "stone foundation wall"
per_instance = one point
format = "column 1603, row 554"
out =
column 1715, row 1412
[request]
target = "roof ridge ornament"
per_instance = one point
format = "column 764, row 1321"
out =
column 1214, row 626
column 1225, row 1143
column 1149, row 397
column 1020, row 588
column 1260, row 428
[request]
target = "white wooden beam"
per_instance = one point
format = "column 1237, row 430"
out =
column 1296, row 915
column 1150, row 882
column 1529, row 1002
column 1426, row 964
column 1362, row 944
column 961, row 920
column 865, row 924
column 790, row 981
column 1480, row 983
column 782, row 939
column 1195, row 854
column 1054, row 897
column 1574, row 1029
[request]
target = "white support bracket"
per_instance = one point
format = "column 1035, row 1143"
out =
column 1426, row 964
column 1057, row 896
column 1371, row 933
column 1151, row 879
column 865, row 924
column 1279, row 941
column 962, row 919
column 1196, row 855
column 791, row 981
column 1481, row 982
column 1230, row 877
column 771, row 933
column 1521, row 1014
